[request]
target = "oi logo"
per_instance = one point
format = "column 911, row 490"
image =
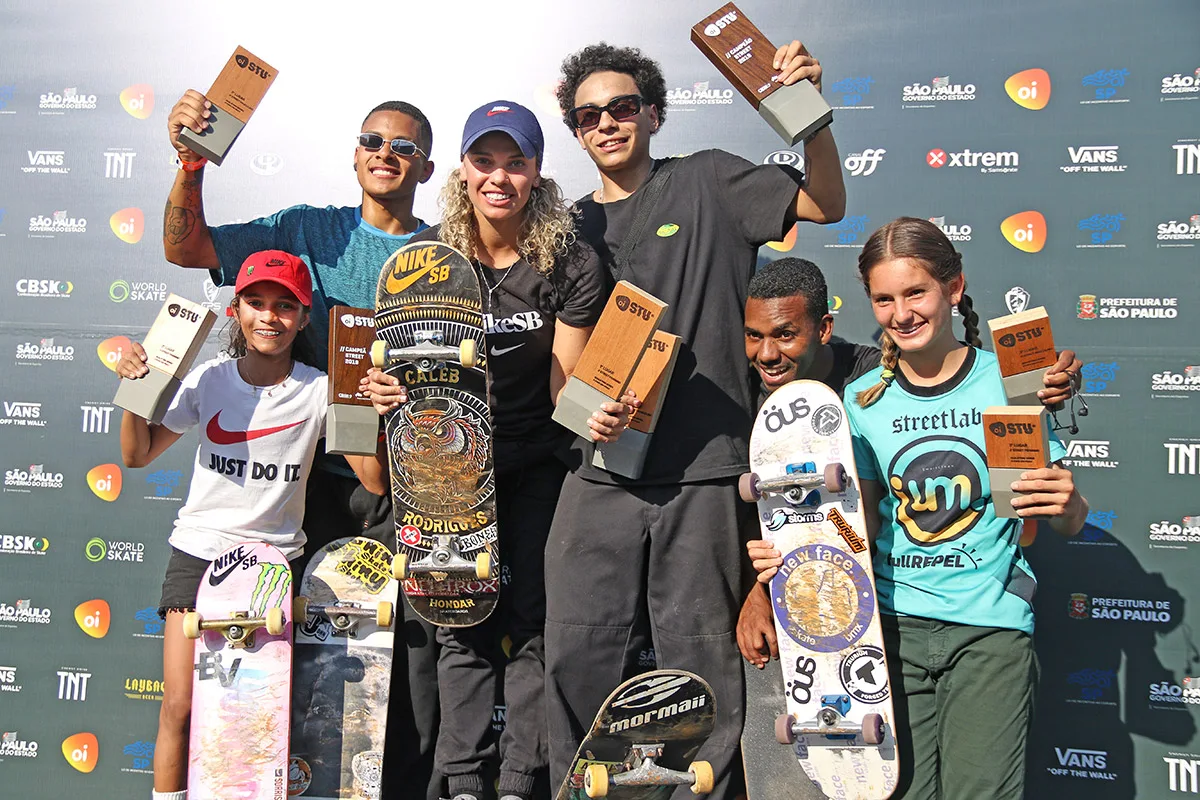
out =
column 789, row 241
column 93, row 617
column 1025, row 231
column 128, row 224
column 138, row 100
column 81, row 751
column 1029, row 89
column 105, row 481
column 110, row 350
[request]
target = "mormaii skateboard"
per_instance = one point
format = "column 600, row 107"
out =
column 839, row 719
column 343, row 666
column 430, row 327
column 241, row 689
column 644, row 738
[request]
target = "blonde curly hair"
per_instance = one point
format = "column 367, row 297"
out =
column 547, row 223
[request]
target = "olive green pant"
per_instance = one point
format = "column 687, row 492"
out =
column 963, row 699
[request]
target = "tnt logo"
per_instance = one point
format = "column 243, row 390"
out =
column 81, row 751
column 1025, row 231
column 110, row 350
column 105, row 481
column 128, row 224
column 1029, row 89
column 93, row 618
column 138, row 100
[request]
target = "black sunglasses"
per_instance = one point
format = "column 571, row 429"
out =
column 620, row 109
column 401, row 147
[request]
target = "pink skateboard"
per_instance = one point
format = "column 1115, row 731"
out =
column 242, row 686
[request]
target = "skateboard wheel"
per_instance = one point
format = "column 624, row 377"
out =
column 384, row 614
column 1028, row 532
column 400, row 566
column 872, row 728
column 300, row 608
column 191, row 625
column 468, row 355
column 783, row 729
column 835, row 477
column 483, row 566
column 702, row 771
column 275, row 620
column 595, row 780
column 748, row 487
column 379, row 353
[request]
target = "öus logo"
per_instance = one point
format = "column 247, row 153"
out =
column 81, row 751
column 789, row 241
column 110, row 350
column 1025, row 231
column 1029, row 89
column 128, row 224
column 138, row 100
column 105, row 481
column 93, row 617
column 665, row 231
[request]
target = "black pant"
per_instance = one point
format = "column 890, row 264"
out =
column 613, row 551
column 337, row 507
column 472, row 668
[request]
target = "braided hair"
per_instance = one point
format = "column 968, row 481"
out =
column 923, row 242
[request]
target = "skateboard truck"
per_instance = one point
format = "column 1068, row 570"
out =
column 831, row 722
column 640, row 769
column 444, row 557
column 428, row 352
column 344, row 617
column 238, row 629
column 796, row 485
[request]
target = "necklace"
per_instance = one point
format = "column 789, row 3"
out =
column 270, row 390
column 491, row 289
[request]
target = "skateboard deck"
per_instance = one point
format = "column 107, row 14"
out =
column 772, row 772
column 342, row 665
column 241, row 686
column 839, row 720
column 429, row 323
column 644, row 738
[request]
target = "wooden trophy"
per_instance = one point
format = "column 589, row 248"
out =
column 171, row 347
column 744, row 56
column 612, row 354
column 1024, row 348
column 352, row 425
column 650, row 380
column 1017, row 439
column 234, row 96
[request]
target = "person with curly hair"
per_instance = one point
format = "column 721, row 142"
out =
column 687, row 230
column 542, row 293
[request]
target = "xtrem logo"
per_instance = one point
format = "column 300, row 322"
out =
column 412, row 265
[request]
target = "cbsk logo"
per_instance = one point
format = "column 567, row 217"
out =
column 1100, row 229
column 1182, row 458
column 1105, row 83
column 128, row 224
column 28, row 287
column 105, row 481
column 715, row 27
column 984, row 161
column 1029, row 88
column 848, row 230
column 1178, row 231
column 1187, row 158
column 81, row 751
column 30, row 545
column 69, row 100
column 853, row 91
column 1097, row 375
column 57, row 222
column 93, row 617
column 110, row 350
column 1094, row 158
column 955, row 233
column 1025, row 231
column 864, row 163
column 138, row 100
column 938, row 89
column 1180, row 86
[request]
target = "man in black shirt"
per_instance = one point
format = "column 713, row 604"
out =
column 668, row 541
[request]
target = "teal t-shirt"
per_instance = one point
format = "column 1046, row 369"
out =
column 942, row 553
column 344, row 255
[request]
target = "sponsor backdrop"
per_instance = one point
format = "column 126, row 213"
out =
column 1058, row 145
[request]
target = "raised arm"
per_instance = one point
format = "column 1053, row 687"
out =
column 186, row 238
column 141, row 442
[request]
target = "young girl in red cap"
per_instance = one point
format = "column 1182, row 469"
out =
column 259, row 405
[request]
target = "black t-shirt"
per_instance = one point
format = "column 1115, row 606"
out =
column 520, row 308
column 697, row 252
column 850, row 362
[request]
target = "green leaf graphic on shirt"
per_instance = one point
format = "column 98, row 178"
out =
column 669, row 229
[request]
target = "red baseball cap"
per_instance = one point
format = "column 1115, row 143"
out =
column 279, row 267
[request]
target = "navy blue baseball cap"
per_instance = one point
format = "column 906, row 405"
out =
column 507, row 117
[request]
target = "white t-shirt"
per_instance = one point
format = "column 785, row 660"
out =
column 256, row 450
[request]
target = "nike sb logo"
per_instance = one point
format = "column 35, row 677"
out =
column 225, row 564
column 418, row 260
column 218, row 435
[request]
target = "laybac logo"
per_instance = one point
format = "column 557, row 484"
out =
column 1025, row 231
column 1029, row 89
column 128, row 224
column 105, row 481
column 138, row 100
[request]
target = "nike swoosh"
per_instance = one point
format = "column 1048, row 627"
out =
column 397, row 285
column 218, row 435
column 218, row 576
column 499, row 351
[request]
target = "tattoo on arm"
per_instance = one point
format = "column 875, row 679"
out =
column 179, row 222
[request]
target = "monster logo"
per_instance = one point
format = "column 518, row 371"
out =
column 443, row 454
column 273, row 582
column 937, row 482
